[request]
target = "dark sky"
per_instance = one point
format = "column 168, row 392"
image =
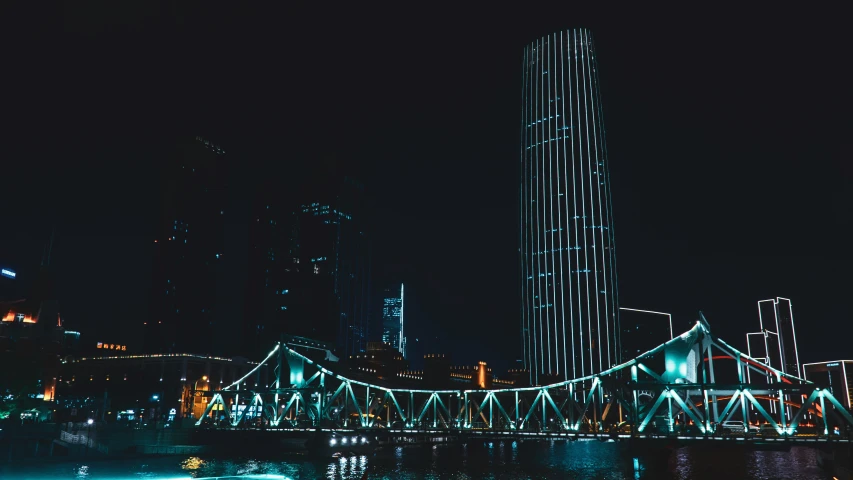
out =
column 728, row 135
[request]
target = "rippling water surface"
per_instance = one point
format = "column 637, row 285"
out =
column 497, row 460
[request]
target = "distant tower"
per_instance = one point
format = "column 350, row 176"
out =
column 327, row 276
column 776, row 319
column 393, row 320
column 570, row 316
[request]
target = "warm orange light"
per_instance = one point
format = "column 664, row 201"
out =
column 10, row 317
column 204, row 378
column 49, row 390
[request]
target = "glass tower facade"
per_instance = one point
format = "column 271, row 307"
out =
column 570, row 315
column 392, row 319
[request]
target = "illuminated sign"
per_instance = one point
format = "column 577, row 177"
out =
column 8, row 273
column 834, row 364
column 112, row 346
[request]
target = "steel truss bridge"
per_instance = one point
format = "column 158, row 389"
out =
column 693, row 387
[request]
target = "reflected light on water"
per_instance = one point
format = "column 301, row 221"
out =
column 509, row 460
column 192, row 463
column 83, row 471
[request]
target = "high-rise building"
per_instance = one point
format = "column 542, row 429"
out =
column 392, row 319
column 272, row 277
column 309, row 273
column 570, row 316
column 835, row 376
column 187, row 293
column 775, row 344
column 643, row 330
column 330, row 245
column 787, row 335
column 776, row 341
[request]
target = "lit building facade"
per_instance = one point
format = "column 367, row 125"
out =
column 836, row 375
column 32, row 334
column 151, row 388
column 570, row 316
column 393, row 319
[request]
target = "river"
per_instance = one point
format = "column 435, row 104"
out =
column 496, row 460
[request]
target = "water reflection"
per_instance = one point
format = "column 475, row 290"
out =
column 83, row 472
column 192, row 463
column 510, row 460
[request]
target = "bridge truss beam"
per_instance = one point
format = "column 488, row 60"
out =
column 669, row 389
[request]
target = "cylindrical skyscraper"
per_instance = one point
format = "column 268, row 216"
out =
column 568, row 264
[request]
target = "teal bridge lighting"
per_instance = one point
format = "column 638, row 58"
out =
column 668, row 391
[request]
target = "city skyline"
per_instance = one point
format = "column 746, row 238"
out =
column 569, row 291
column 693, row 176
column 289, row 240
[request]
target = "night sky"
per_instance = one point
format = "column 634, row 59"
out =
column 728, row 138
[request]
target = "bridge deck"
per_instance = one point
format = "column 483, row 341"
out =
column 468, row 434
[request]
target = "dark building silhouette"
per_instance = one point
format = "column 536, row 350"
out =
column 188, row 294
column 643, row 330
column 270, row 258
column 309, row 273
column 440, row 374
column 149, row 389
column 570, row 316
column 32, row 336
column 380, row 360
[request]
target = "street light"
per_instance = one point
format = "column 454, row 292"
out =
column 195, row 384
column 89, row 423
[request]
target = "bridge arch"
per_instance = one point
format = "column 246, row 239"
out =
column 628, row 399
